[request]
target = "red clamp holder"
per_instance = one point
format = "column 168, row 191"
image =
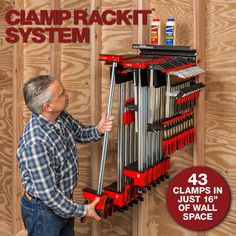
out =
column 166, row 166
column 122, row 200
column 91, row 194
column 142, row 62
column 150, row 175
column 140, row 177
column 161, row 170
column 156, row 173
column 110, row 58
column 131, row 194
column 118, row 197
column 128, row 193
column 116, row 58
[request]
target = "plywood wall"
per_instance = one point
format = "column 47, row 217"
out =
column 73, row 67
column 160, row 222
column 6, row 138
column 75, row 75
column 115, row 40
column 221, row 100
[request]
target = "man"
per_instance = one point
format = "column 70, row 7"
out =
column 48, row 160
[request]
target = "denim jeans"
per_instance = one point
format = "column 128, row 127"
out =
column 39, row 220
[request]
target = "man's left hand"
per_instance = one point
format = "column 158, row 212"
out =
column 105, row 124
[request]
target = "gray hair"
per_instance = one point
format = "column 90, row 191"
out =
column 36, row 92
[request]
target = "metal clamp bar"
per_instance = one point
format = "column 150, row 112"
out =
column 106, row 135
column 119, row 138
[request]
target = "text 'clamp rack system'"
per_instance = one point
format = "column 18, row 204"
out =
column 157, row 90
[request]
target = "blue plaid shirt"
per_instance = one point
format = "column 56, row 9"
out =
column 48, row 160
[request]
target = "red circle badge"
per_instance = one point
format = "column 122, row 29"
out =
column 198, row 198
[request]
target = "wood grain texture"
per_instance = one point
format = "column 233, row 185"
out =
column 225, row 228
column 5, row 121
column 140, row 31
column 141, row 217
column 55, row 48
column 75, row 75
column 5, row 101
column 161, row 223
column 5, row 230
column 96, row 104
column 115, row 40
column 199, row 110
column 36, row 56
column 220, row 100
column 222, row 160
column 18, row 74
column 182, row 11
column 6, row 170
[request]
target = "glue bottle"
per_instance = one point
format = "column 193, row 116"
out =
column 170, row 31
column 155, row 31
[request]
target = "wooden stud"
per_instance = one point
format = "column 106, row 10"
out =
column 55, row 48
column 18, row 77
column 140, row 213
column 141, row 32
column 199, row 45
column 96, row 103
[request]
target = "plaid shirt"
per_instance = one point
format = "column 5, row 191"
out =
column 48, row 161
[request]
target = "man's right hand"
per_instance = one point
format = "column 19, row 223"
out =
column 91, row 212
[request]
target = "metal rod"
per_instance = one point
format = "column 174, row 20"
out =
column 129, row 136
column 140, row 123
column 151, row 117
column 167, row 112
column 106, row 135
column 125, row 137
column 119, row 137
column 145, row 133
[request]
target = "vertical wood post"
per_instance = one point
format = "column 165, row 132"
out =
column 199, row 45
column 199, row 113
column 55, row 48
column 140, row 213
column 96, row 103
column 18, row 77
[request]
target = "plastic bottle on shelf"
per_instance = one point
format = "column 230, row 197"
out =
column 170, row 31
column 155, row 31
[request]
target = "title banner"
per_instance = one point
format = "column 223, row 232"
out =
column 42, row 25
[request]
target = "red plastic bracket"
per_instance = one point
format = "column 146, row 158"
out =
column 91, row 194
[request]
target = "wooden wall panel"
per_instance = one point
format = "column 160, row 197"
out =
column 182, row 11
column 5, row 121
column 220, row 100
column 36, row 56
column 225, row 228
column 17, row 116
column 116, row 40
column 75, row 75
column 161, row 223
column 5, row 170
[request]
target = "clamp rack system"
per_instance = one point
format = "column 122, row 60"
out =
column 157, row 91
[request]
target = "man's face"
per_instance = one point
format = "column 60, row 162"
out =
column 60, row 98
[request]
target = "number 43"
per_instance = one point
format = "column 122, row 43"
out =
column 201, row 179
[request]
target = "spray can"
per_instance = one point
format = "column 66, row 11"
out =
column 170, row 31
column 155, row 31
